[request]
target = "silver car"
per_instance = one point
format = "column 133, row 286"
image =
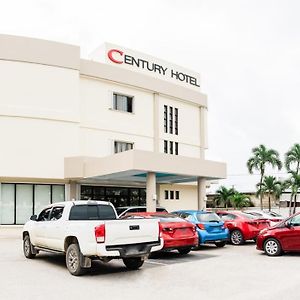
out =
column 272, row 216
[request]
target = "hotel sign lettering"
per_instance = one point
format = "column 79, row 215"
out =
column 120, row 57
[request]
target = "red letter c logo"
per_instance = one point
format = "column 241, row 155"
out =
column 110, row 55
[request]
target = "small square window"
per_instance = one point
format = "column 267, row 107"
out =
column 166, row 195
column 122, row 102
column 122, row 146
column 172, row 195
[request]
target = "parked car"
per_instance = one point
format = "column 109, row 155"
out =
column 209, row 226
column 273, row 217
column 242, row 226
column 283, row 237
column 122, row 211
column 177, row 234
column 86, row 230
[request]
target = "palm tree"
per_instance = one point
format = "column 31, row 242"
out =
column 284, row 185
column 239, row 200
column 260, row 159
column 294, row 183
column 292, row 163
column 223, row 196
column 269, row 186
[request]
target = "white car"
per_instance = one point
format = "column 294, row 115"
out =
column 273, row 217
column 86, row 230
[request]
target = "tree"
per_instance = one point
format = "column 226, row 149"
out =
column 269, row 186
column 259, row 161
column 223, row 196
column 294, row 183
column 239, row 200
column 292, row 163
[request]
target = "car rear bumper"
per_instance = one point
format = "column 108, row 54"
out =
column 179, row 243
column 206, row 237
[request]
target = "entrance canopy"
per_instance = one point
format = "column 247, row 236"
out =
column 134, row 165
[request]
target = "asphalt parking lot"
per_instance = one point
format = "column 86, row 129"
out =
column 232, row 272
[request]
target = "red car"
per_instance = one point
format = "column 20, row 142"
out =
column 283, row 237
column 177, row 233
column 242, row 226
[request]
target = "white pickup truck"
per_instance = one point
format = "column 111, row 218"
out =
column 86, row 230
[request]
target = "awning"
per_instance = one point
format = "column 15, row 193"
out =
column 133, row 166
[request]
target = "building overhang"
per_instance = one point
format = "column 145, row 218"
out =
column 133, row 166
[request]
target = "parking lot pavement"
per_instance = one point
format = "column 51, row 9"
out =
column 232, row 272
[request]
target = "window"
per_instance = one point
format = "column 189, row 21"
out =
column 176, row 121
column 165, row 146
column 177, row 195
column 172, row 122
column 172, row 195
column 171, row 147
column 92, row 212
column 56, row 213
column 122, row 102
column 122, row 146
column 166, row 195
column 208, row 217
column 171, row 119
column 295, row 221
column 166, row 118
column 44, row 215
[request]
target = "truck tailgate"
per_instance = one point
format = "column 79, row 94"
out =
column 131, row 231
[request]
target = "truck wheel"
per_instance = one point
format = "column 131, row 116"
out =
column 27, row 247
column 184, row 251
column 133, row 263
column 220, row 244
column 73, row 260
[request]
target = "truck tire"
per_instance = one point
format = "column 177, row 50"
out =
column 27, row 247
column 133, row 263
column 73, row 260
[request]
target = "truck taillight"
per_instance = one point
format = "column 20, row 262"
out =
column 100, row 233
column 160, row 230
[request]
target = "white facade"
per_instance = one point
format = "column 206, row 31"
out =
column 54, row 106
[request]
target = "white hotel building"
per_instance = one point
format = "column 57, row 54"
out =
column 121, row 127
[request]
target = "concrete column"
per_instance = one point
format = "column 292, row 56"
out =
column 201, row 190
column 73, row 191
column 203, row 131
column 151, row 192
column 158, row 194
column 156, row 122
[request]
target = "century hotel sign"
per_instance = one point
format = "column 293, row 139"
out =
column 146, row 64
column 119, row 57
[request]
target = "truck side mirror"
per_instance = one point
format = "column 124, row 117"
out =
column 33, row 218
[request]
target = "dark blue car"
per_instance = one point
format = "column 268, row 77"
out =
column 209, row 226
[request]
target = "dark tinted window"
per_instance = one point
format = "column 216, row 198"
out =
column 160, row 209
column 92, row 212
column 209, row 217
column 56, row 213
column 44, row 215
